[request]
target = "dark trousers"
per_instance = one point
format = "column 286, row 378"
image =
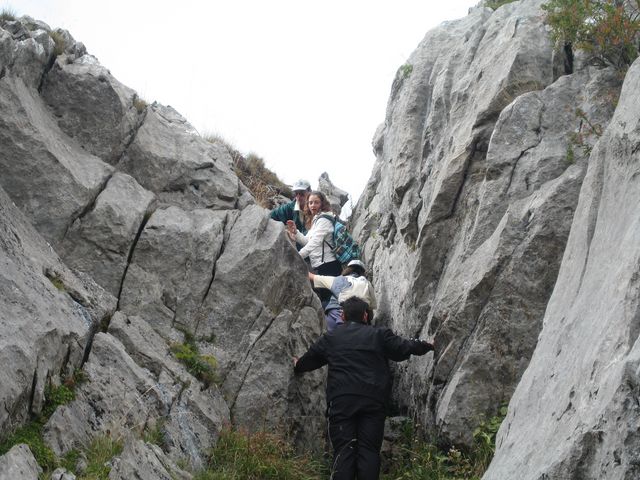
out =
column 356, row 428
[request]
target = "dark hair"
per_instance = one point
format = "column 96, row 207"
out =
column 353, row 269
column 354, row 308
column 325, row 205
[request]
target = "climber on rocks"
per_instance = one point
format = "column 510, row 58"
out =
column 296, row 210
column 352, row 283
column 358, row 387
column 317, row 242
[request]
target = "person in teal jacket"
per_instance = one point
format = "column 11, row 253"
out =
column 295, row 210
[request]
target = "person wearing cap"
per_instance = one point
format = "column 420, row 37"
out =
column 352, row 283
column 358, row 387
column 296, row 210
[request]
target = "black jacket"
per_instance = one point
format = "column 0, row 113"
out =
column 357, row 356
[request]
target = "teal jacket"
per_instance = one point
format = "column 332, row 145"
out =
column 288, row 212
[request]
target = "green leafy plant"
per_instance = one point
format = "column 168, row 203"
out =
column 584, row 138
column 608, row 30
column 405, row 70
column 495, row 4
column 241, row 455
column 203, row 367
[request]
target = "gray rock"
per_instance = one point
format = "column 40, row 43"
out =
column 170, row 158
column 578, row 394
column 469, row 206
column 336, row 196
column 47, row 317
column 99, row 243
column 255, row 338
column 62, row 474
column 145, row 461
column 44, row 171
column 19, row 463
column 92, row 107
column 172, row 267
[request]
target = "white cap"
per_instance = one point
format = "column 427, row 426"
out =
column 301, row 185
column 356, row 263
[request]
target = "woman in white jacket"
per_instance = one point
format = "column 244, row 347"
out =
column 318, row 242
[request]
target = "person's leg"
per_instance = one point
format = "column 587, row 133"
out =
column 342, row 432
column 370, row 433
column 333, row 318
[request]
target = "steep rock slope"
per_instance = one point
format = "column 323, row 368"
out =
column 579, row 395
column 159, row 245
column 469, row 207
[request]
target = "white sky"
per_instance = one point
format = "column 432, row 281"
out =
column 302, row 84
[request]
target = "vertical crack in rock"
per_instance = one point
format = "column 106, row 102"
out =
column 88, row 208
column 32, row 393
column 133, row 135
column 227, row 222
column 132, row 248
column 568, row 59
column 47, row 69
column 237, row 392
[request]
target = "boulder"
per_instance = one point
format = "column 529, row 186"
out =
column 169, row 158
column 100, row 242
column 19, row 463
column 173, row 265
column 45, row 172
column 145, row 461
column 336, row 196
column 92, row 107
column 578, row 394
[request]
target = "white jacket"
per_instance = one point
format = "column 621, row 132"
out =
column 321, row 231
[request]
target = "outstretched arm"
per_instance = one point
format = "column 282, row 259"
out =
column 313, row 359
column 399, row 349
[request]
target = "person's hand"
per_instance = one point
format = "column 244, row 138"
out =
column 295, row 361
column 291, row 227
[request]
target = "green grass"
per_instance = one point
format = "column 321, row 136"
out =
column 139, row 104
column 7, row 14
column 240, row 455
column 98, row 455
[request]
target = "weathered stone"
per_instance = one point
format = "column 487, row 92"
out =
column 173, row 266
column 44, row 172
column 467, row 251
column 19, row 463
column 255, row 338
column 170, row 158
column 47, row 315
column 578, row 394
column 99, row 242
column 92, row 107
column 336, row 196
column 62, row 474
column 145, row 461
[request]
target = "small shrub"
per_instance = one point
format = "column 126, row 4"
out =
column 58, row 283
column 243, row 455
column 203, row 367
column 495, row 4
column 139, row 104
column 405, row 70
column 56, row 396
column 608, row 30
column 58, row 40
column 31, row 434
column 7, row 15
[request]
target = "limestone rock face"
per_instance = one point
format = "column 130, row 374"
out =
column 170, row 158
column 145, row 461
column 20, row 463
column 582, row 383
column 92, row 106
column 467, row 213
column 336, row 196
column 47, row 317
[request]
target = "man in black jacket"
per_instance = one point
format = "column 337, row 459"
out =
column 358, row 386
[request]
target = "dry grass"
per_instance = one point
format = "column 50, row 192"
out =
column 264, row 185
